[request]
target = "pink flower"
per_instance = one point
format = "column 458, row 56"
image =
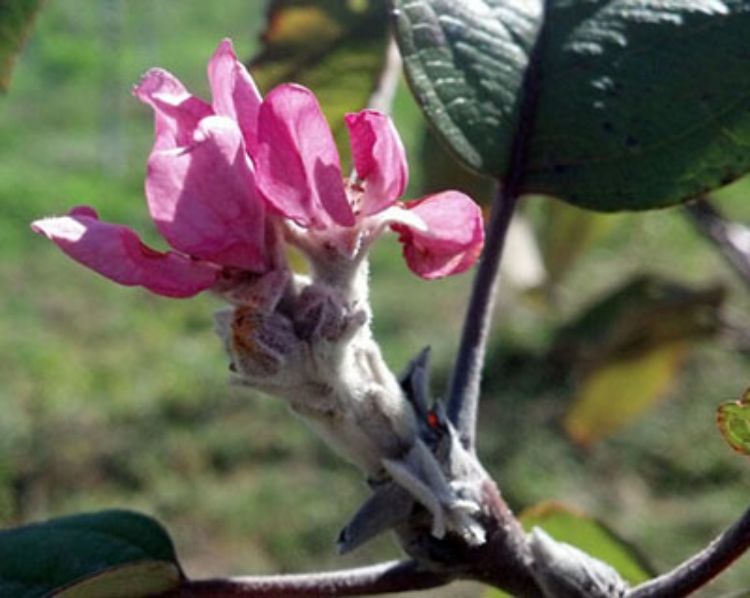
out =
column 299, row 173
column 116, row 252
column 224, row 177
column 200, row 188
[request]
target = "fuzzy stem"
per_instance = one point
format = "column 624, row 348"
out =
column 463, row 396
column 387, row 84
column 394, row 576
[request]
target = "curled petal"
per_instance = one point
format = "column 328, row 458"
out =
column 449, row 239
column 203, row 197
column 176, row 112
column 234, row 92
column 379, row 159
column 116, row 252
column 297, row 163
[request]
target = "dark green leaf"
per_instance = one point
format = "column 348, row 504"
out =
column 733, row 419
column 607, row 104
column 88, row 555
column 16, row 18
column 334, row 47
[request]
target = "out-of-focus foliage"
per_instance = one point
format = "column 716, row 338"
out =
column 111, row 553
column 565, row 233
column 625, row 350
column 733, row 419
column 334, row 47
column 16, row 19
column 443, row 171
column 606, row 105
column 616, row 393
column 642, row 312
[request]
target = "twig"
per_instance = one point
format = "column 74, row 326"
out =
column 463, row 397
column 394, row 576
column 698, row 570
column 730, row 238
column 385, row 88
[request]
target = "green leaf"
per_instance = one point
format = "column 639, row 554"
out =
column 588, row 534
column 733, row 419
column 334, row 47
column 625, row 350
column 607, row 104
column 591, row 536
column 16, row 18
column 110, row 553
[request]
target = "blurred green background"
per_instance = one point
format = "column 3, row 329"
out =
column 111, row 397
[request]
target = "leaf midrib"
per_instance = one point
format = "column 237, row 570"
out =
column 528, row 98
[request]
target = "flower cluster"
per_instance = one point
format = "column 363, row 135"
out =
column 230, row 181
column 230, row 184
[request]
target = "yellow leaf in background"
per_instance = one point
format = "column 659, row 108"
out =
column 334, row 47
column 299, row 25
column 617, row 392
column 625, row 349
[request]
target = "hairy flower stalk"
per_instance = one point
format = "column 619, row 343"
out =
column 230, row 185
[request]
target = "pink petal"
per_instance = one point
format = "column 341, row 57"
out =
column 116, row 252
column 176, row 112
column 234, row 92
column 379, row 159
column 451, row 239
column 297, row 163
column 203, row 197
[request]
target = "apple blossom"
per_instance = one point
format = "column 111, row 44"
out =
column 200, row 189
column 299, row 173
column 225, row 179
column 116, row 252
column 228, row 183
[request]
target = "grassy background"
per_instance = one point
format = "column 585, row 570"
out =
column 113, row 397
